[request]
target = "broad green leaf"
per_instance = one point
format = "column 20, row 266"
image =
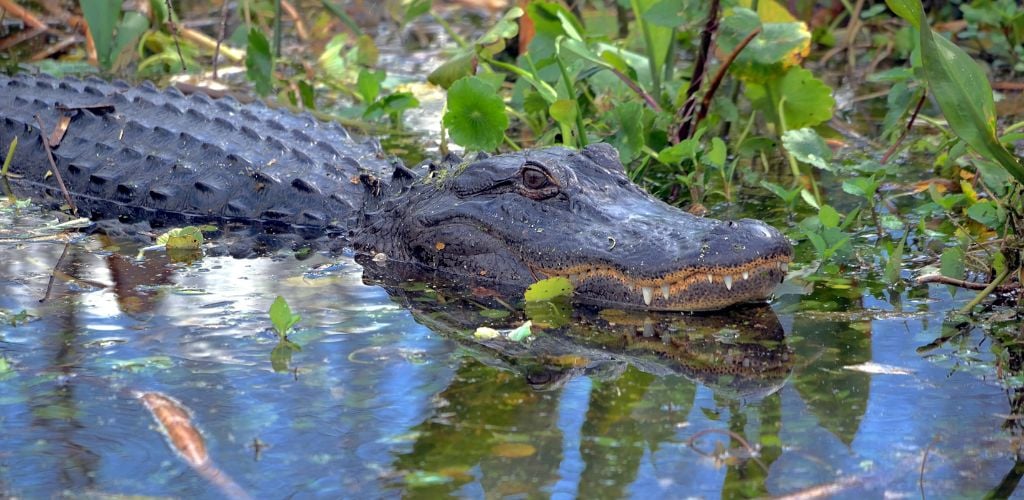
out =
column 392, row 105
column 548, row 289
column 102, row 16
column 476, row 115
column 457, row 67
column 629, row 139
column 828, row 216
column 464, row 62
column 369, row 84
column 963, row 92
column 666, row 13
column 550, row 18
column 564, row 111
column 999, row 263
column 778, row 46
column 910, row 10
column 131, row 27
column 675, row 154
column 995, row 178
column 865, row 187
column 414, row 9
column 805, row 100
column 986, row 213
column 259, row 63
column 506, row 27
column 808, row 197
column 807, row 146
column 952, row 263
column 787, row 195
column 281, row 316
column 543, row 88
column 716, row 155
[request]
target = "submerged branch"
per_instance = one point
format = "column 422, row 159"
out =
column 969, row 285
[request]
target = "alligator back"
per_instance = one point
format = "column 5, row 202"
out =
column 157, row 155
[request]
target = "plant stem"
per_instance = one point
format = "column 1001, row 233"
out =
column 9, row 157
column 985, row 293
column 652, row 61
column 581, row 137
column 461, row 42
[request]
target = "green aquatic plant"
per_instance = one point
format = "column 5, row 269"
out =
column 282, row 318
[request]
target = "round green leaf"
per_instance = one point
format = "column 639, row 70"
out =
column 476, row 115
column 548, row 289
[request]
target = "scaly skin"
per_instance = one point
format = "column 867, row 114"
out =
column 138, row 153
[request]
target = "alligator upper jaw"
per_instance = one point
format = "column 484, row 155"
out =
column 684, row 289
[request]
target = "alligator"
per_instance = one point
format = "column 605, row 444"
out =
column 138, row 153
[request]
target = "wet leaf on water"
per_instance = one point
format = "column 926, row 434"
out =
column 183, row 238
column 281, row 316
column 485, row 333
column 513, row 450
column 521, row 333
column 548, row 289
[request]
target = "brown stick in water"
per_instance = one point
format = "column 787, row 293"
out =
column 175, row 421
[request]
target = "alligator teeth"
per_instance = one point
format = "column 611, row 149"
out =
column 664, row 291
column 711, row 279
column 728, row 281
column 648, row 294
column 746, row 275
column 784, row 266
column 574, row 279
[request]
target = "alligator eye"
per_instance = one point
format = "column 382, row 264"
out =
column 535, row 179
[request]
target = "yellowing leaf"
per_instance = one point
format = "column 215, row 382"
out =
column 513, row 450
column 548, row 289
column 184, row 238
column 770, row 11
column 485, row 333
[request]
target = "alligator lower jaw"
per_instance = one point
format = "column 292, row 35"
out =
column 686, row 289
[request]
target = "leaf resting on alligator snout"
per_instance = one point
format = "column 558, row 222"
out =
column 548, row 289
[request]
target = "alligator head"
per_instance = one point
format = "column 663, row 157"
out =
column 521, row 217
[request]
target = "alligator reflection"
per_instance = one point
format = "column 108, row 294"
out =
column 626, row 386
column 741, row 352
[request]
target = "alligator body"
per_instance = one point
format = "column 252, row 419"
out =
column 143, row 154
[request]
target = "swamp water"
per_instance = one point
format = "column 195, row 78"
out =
column 391, row 395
